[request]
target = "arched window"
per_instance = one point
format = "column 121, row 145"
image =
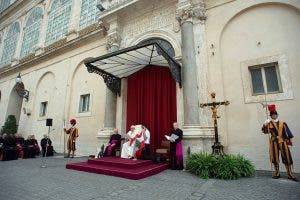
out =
column 10, row 43
column 58, row 21
column 32, row 31
column 5, row 4
column 89, row 13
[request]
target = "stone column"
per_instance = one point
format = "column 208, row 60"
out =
column 111, row 99
column 110, row 110
column 113, row 44
column 188, row 14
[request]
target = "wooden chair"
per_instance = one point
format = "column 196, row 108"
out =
column 164, row 151
column 118, row 152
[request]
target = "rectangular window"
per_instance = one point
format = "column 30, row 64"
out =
column 265, row 79
column 84, row 103
column 43, row 109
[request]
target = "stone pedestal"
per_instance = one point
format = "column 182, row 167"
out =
column 198, row 138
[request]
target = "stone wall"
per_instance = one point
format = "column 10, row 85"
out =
column 60, row 80
column 241, row 34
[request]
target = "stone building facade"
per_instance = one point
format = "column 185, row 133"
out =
column 232, row 47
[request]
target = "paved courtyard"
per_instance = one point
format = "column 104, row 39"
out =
column 25, row 179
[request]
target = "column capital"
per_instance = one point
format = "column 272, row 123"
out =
column 113, row 39
column 189, row 10
column 113, row 34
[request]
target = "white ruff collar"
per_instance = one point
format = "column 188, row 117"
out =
column 276, row 120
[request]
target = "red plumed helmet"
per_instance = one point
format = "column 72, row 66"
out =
column 72, row 121
column 272, row 108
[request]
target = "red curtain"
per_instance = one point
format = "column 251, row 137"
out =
column 151, row 101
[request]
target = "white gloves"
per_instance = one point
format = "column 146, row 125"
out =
column 267, row 122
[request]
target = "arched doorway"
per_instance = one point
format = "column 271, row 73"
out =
column 15, row 102
column 147, row 60
column 151, row 98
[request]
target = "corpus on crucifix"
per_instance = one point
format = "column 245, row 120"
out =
column 217, row 148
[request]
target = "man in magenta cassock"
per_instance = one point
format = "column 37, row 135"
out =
column 176, row 156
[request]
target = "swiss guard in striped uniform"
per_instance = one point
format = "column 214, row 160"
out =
column 73, row 135
column 280, row 140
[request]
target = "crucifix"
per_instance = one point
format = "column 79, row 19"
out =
column 217, row 148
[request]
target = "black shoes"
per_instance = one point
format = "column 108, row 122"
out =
column 293, row 178
column 276, row 176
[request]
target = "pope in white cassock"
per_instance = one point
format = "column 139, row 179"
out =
column 127, row 150
column 135, row 143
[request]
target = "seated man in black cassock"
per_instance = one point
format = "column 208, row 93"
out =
column 36, row 145
column 46, row 145
column 29, row 148
column 10, row 151
column 20, row 143
column 113, row 144
column 20, row 139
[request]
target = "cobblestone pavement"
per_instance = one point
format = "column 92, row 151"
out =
column 25, row 179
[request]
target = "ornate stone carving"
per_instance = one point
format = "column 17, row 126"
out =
column 200, row 11
column 112, row 6
column 5, row 67
column 159, row 19
column 56, row 45
column 27, row 58
column 21, row 91
column 183, row 14
column 103, row 25
column 188, row 11
column 94, row 27
column 113, row 40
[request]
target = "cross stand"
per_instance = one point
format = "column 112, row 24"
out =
column 217, row 148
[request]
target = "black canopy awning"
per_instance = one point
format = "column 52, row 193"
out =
column 121, row 64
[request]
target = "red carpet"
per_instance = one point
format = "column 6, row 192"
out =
column 114, row 166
